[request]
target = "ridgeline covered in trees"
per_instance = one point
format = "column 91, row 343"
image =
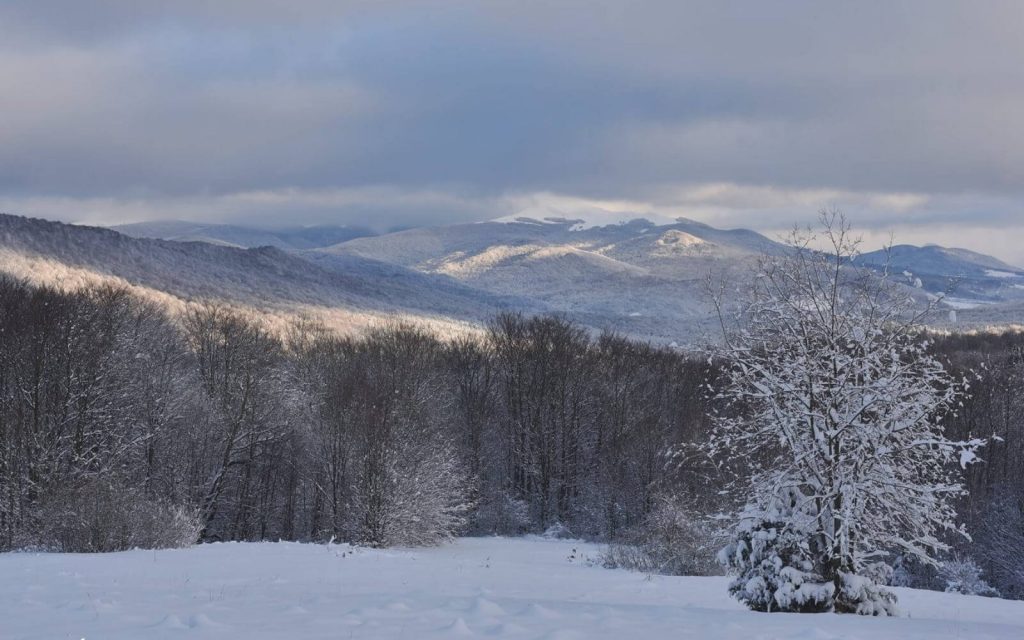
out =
column 121, row 427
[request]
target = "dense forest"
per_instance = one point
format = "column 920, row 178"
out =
column 121, row 426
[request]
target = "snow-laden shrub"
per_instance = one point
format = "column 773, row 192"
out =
column 103, row 516
column 774, row 568
column 429, row 500
column 557, row 531
column 957, row 574
column 501, row 514
column 879, row 573
column 416, row 495
column 861, row 595
column 963, row 575
column 669, row 541
column 780, row 564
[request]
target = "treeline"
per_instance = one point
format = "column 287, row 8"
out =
column 121, row 427
column 993, row 511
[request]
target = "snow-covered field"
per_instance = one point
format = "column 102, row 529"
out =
column 475, row 588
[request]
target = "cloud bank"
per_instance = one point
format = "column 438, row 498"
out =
column 906, row 114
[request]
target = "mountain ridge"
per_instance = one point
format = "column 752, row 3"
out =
column 635, row 276
column 295, row 237
column 265, row 278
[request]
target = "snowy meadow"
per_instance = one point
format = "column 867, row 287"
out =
column 473, row 588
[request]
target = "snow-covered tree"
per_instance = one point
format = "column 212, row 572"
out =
column 835, row 415
column 963, row 575
column 385, row 464
column 773, row 554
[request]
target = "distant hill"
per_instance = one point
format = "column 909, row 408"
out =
column 965, row 277
column 346, row 291
column 646, row 277
column 635, row 276
column 241, row 236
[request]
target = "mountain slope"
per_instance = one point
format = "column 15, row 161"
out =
column 348, row 290
column 241, row 236
column 637, row 276
column 940, row 260
column 638, row 241
column 965, row 277
column 646, row 278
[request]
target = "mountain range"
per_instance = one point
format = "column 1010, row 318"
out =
column 635, row 276
column 231, row 235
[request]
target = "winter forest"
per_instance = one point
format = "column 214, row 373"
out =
column 830, row 447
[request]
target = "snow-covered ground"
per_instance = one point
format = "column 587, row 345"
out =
column 475, row 588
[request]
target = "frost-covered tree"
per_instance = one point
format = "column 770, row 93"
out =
column 240, row 370
column 386, row 468
column 835, row 414
column 963, row 575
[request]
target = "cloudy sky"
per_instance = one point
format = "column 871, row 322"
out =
column 907, row 115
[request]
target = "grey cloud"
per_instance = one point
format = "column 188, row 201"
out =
column 163, row 104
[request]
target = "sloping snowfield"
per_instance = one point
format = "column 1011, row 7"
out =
column 475, row 588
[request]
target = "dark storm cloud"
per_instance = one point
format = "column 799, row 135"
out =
column 441, row 111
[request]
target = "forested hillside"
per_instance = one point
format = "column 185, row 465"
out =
column 121, row 427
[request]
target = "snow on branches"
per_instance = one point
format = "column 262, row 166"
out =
column 836, row 408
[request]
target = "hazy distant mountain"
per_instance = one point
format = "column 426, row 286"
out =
column 933, row 259
column 966, row 277
column 241, row 236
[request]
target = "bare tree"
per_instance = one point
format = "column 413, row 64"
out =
column 240, row 369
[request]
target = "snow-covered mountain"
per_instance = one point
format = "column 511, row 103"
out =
column 645, row 277
column 635, row 240
column 639, row 277
column 966, row 279
column 620, row 272
column 636, row 276
column 939, row 260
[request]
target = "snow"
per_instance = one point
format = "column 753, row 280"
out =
column 962, row 303
column 474, row 588
column 994, row 273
